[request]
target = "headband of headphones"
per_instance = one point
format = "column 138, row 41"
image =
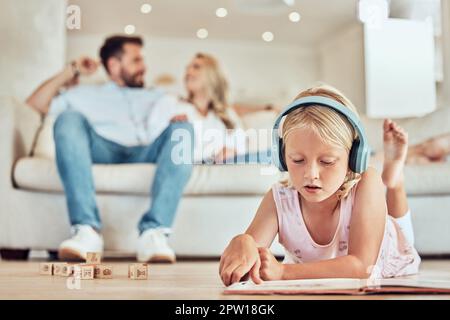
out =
column 360, row 151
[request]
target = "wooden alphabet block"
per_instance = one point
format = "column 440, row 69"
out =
column 66, row 270
column 62, row 269
column 58, row 268
column 93, row 258
column 87, row 273
column 83, row 271
column 102, row 271
column 46, row 268
column 138, row 271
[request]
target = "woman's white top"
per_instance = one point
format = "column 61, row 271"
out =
column 211, row 134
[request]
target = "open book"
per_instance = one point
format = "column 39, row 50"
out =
column 341, row 286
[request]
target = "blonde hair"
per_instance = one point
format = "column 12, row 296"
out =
column 216, row 88
column 331, row 126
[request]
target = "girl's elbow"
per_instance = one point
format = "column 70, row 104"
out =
column 360, row 269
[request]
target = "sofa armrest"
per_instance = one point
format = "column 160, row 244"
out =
column 19, row 125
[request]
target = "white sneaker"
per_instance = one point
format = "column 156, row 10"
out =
column 152, row 246
column 84, row 239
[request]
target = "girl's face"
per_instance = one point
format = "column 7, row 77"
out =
column 317, row 169
column 195, row 76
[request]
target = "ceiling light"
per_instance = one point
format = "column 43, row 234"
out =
column 202, row 33
column 294, row 16
column 267, row 36
column 146, row 8
column 221, row 12
column 130, row 29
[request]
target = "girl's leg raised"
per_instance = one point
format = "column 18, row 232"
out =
column 395, row 152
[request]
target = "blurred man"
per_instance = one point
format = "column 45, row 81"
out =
column 117, row 122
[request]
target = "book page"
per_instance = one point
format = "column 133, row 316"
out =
column 297, row 286
column 341, row 286
column 415, row 283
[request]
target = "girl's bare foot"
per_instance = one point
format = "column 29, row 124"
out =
column 395, row 151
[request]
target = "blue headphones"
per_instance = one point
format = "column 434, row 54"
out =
column 360, row 151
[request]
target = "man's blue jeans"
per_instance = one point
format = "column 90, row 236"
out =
column 78, row 146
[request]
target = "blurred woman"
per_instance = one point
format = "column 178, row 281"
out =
column 220, row 137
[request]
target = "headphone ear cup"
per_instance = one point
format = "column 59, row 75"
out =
column 283, row 166
column 359, row 157
column 354, row 157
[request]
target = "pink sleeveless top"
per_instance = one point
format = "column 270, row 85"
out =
column 396, row 256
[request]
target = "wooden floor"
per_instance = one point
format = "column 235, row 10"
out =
column 183, row 280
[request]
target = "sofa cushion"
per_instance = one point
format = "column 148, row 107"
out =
column 430, row 179
column 40, row 174
column 45, row 146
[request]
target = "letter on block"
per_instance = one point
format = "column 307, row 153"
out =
column 62, row 269
column 46, row 269
column 66, row 270
column 103, row 272
column 138, row 271
column 58, row 268
column 93, row 258
column 83, row 271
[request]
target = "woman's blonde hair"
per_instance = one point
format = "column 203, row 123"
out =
column 331, row 126
column 216, row 88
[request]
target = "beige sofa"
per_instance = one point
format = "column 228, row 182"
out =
column 219, row 201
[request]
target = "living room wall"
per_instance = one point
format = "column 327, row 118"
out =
column 341, row 59
column 33, row 38
column 342, row 62
column 444, row 86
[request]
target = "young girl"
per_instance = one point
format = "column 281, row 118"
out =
column 332, row 222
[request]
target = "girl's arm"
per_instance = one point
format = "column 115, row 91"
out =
column 241, row 257
column 264, row 226
column 366, row 234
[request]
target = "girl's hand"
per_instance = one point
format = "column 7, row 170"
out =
column 270, row 268
column 239, row 260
